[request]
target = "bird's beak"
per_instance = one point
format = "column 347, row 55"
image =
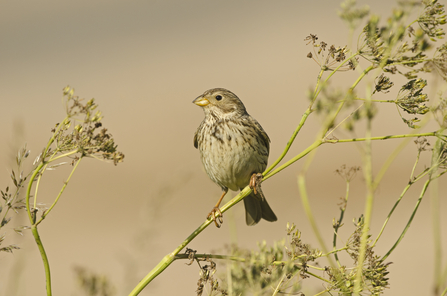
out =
column 201, row 101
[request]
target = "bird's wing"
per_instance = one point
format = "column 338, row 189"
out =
column 265, row 138
column 196, row 136
column 196, row 144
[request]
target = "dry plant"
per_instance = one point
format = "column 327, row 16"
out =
column 80, row 134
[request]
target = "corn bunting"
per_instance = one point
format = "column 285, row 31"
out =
column 234, row 149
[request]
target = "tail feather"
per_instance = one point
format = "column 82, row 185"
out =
column 256, row 207
column 267, row 212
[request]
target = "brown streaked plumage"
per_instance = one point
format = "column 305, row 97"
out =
column 233, row 146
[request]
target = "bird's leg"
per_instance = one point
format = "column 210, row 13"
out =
column 255, row 182
column 216, row 209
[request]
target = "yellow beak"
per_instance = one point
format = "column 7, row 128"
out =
column 201, row 101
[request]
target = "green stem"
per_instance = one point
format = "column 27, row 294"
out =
column 298, row 128
column 436, row 228
column 368, row 173
column 43, row 254
column 289, row 144
column 444, row 292
column 340, row 220
column 316, row 88
column 242, row 259
column 47, row 163
column 306, row 151
column 415, row 164
column 36, row 189
column 335, row 251
column 388, row 163
column 424, row 189
column 398, row 201
column 45, row 214
column 364, row 240
column 307, row 209
column 322, row 292
column 169, row 258
column 45, row 151
column 64, row 155
column 331, row 118
column 436, row 221
column 318, row 277
column 276, row 291
column 203, row 256
column 28, row 192
column 377, row 101
column 309, row 111
column 391, row 212
column 408, row 62
column 32, row 213
column 335, row 70
column 432, row 134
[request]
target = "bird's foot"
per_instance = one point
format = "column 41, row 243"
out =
column 216, row 216
column 255, row 183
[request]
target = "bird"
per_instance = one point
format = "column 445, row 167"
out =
column 234, row 150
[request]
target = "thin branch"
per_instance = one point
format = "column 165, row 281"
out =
column 60, row 193
column 424, row 189
column 431, row 134
column 307, row 209
column 43, row 254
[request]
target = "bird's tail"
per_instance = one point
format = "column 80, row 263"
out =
column 257, row 207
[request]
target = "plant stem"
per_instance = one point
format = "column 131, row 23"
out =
column 335, row 70
column 45, row 151
column 242, row 259
column 292, row 139
column 368, row 173
column 223, row 257
column 340, row 220
column 44, row 215
column 309, row 111
column 32, row 213
column 28, row 192
column 331, row 118
column 436, row 221
column 391, row 212
column 276, row 291
column 36, row 189
column 63, row 155
column 377, row 101
column 322, row 292
column 388, row 162
column 444, row 292
column 169, row 258
column 436, row 228
column 409, row 221
column 412, row 181
column 306, row 151
column 43, row 254
column 307, row 209
column 431, row 134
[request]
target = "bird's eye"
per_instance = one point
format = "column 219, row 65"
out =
column 218, row 97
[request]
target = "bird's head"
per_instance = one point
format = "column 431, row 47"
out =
column 221, row 103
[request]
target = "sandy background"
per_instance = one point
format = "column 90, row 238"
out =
column 144, row 62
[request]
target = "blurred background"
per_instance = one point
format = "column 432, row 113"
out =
column 144, row 62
